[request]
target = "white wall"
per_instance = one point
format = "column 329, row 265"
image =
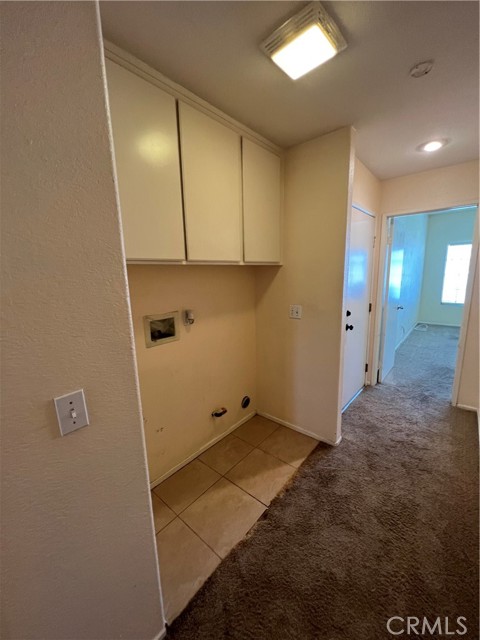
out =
column 299, row 360
column 366, row 188
column 212, row 365
column 79, row 559
column 409, row 236
column 443, row 229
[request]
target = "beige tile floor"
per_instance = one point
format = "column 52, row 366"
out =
column 206, row 508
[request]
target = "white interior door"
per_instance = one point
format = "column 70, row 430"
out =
column 357, row 301
column 393, row 281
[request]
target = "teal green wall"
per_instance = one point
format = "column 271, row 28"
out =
column 443, row 229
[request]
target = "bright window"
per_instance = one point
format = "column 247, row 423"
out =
column 456, row 273
column 396, row 272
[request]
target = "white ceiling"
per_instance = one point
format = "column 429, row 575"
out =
column 212, row 49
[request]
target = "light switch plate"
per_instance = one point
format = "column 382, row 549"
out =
column 71, row 411
column 295, row 311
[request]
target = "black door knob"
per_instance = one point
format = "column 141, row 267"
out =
column 348, row 314
column 348, row 327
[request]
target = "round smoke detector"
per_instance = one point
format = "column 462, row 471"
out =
column 421, row 69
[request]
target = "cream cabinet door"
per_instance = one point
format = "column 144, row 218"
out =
column 211, row 164
column 145, row 137
column 261, row 203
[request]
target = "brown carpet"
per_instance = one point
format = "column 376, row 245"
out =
column 385, row 524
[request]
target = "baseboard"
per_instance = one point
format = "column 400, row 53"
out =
column 210, row 443
column 407, row 334
column 353, row 399
column 467, row 407
column 439, row 324
column 299, row 429
column 162, row 634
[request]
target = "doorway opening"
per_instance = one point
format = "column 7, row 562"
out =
column 428, row 267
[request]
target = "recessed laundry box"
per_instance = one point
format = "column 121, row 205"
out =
column 160, row 329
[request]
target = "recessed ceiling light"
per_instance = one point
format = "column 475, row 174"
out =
column 305, row 41
column 433, row 145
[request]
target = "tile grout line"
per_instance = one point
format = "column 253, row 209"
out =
column 247, row 493
column 271, row 454
column 200, row 537
column 279, row 459
column 258, row 499
column 257, row 519
column 242, row 458
column 221, row 475
column 178, row 515
column 235, row 485
column 257, row 447
column 242, row 489
column 263, row 439
column 199, row 496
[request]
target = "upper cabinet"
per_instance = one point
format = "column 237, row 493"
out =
column 261, row 203
column 191, row 188
column 144, row 122
column 212, row 187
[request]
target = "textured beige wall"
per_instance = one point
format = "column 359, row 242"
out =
column 366, row 188
column 212, row 365
column 79, row 558
column 430, row 190
column 299, row 360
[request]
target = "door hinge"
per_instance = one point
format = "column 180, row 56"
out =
column 369, row 307
column 366, row 367
column 374, row 240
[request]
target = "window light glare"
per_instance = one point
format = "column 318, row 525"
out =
column 435, row 145
column 455, row 276
column 308, row 50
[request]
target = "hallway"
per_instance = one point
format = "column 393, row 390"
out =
column 426, row 361
column 383, row 525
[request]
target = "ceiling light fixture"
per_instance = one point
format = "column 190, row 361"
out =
column 305, row 41
column 421, row 69
column 433, row 145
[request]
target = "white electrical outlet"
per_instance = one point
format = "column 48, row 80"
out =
column 71, row 411
column 295, row 311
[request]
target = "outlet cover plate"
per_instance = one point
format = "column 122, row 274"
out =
column 295, row 311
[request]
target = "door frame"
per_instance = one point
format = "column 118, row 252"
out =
column 384, row 296
column 466, row 313
column 380, row 292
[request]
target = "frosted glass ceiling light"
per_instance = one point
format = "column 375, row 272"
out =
column 305, row 41
column 434, row 145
